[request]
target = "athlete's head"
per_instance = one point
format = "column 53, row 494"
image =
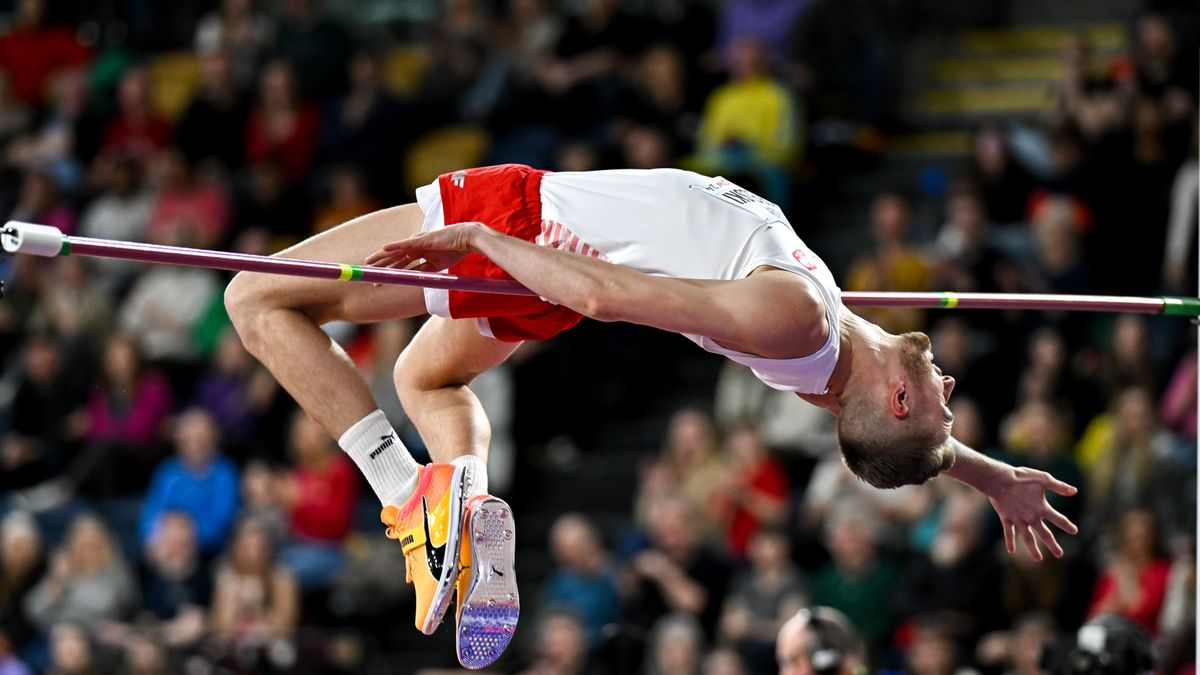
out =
column 894, row 427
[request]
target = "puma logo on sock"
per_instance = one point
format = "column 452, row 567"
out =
column 388, row 441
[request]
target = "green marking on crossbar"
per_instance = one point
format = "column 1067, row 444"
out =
column 1181, row 306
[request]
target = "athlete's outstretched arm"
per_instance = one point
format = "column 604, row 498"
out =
column 1019, row 496
column 771, row 315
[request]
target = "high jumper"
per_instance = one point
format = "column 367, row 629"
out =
column 499, row 255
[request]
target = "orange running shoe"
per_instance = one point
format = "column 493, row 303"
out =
column 488, row 602
column 429, row 527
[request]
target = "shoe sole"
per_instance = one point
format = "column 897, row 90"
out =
column 491, row 604
column 445, row 588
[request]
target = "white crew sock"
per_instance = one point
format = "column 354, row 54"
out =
column 476, row 470
column 374, row 446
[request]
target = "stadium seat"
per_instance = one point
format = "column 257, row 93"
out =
column 403, row 68
column 174, row 78
column 443, row 150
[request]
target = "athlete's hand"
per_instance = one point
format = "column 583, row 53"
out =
column 1020, row 501
column 429, row 251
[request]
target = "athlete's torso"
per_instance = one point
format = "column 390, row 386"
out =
column 681, row 224
column 668, row 222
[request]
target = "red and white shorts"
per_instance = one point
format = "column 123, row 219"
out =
column 507, row 199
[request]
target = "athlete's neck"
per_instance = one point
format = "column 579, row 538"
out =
column 861, row 348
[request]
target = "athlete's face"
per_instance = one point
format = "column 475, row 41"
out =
column 932, row 389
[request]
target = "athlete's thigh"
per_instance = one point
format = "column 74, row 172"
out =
column 351, row 242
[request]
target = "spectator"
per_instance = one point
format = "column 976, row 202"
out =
column 892, row 263
column 1020, row 649
column 560, row 647
column 188, row 206
column 581, row 78
column 320, row 493
column 819, row 638
column 859, row 580
column 71, row 651
column 659, row 101
column 136, row 130
column 749, row 124
column 348, row 199
column 723, row 661
column 15, row 117
column 176, row 584
column 833, row 488
column 213, row 126
column 676, row 645
column 122, row 429
column 1128, row 358
column 1134, row 583
column 47, row 391
column 958, row 577
column 755, row 492
column 583, row 583
column 68, row 137
column 761, row 598
column 282, row 126
column 40, row 201
column 167, row 303
column 362, row 133
column 77, row 309
column 122, row 211
column 688, row 466
column 315, row 44
column 255, row 603
column 1134, row 466
column 241, row 33
column 22, row 565
column 198, row 481
column 272, row 209
column 966, row 258
column 1059, row 266
column 1005, row 184
column 235, row 391
column 31, row 51
column 87, row 583
column 677, row 573
column 933, row 652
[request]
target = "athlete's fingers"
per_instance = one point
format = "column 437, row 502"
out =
column 1064, row 523
column 1043, row 532
column 1031, row 542
column 1059, row 487
column 1010, row 540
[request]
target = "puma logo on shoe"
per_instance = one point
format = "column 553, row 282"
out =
column 497, row 572
column 388, row 441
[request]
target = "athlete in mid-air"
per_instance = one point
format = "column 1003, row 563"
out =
column 665, row 248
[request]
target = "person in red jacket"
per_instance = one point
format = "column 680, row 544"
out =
column 282, row 127
column 31, row 51
column 320, row 494
column 1134, row 584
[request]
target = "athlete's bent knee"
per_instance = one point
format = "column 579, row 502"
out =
column 244, row 301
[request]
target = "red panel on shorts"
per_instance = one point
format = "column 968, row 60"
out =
column 506, row 198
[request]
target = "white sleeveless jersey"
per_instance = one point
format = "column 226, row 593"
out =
column 681, row 224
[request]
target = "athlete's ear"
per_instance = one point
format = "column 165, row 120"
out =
column 898, row 400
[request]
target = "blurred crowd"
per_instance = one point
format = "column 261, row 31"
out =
column 166, row 508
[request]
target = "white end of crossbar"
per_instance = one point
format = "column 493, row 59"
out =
column 43, row 240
